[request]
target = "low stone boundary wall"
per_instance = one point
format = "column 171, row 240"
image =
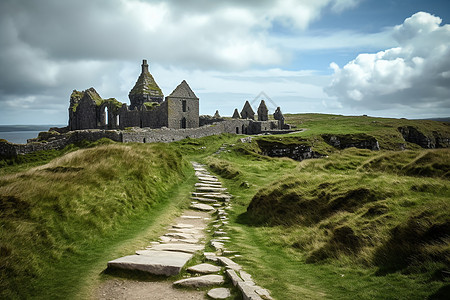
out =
column 164, row 135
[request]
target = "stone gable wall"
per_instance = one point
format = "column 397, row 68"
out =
column 175, row 112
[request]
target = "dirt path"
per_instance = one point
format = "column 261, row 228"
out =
column 172, row 252
column 121, row 288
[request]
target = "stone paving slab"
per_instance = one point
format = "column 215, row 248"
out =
column 182, row 226
column 158, row 263
column 205, row 174
column 208, row 184
column 219, row 293
column 205, row 200
column 201, row 281
column 195, row 231
column 187, row 248
column 208, row 179
column 191, row 217
column 182, row 236
column 202, row 207
column 210, row 189
column 229, row 263
column 248, row 291
column 217, row 196
column 204, row 268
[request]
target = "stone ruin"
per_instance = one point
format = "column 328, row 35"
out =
column 150, row 117
column 149, row 109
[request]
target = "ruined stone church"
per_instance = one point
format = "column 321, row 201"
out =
column 147, row 108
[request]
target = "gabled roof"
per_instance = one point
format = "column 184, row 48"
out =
column 183, row 91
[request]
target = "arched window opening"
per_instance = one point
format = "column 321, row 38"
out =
column 106, row 113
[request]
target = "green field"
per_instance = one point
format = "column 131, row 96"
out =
column 354, row 224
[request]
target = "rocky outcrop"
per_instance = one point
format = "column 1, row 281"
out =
column 360, row 141
column 435, row 140
column 297, row 149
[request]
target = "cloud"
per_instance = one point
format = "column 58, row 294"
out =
column 415, row 74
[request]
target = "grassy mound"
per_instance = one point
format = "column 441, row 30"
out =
column 223, row 168
column 54, row 210
column 431, row 163
column 363, row 206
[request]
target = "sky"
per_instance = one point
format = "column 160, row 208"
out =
column 383, row 58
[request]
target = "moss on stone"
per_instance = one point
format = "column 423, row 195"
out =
column 151, row 105
column 117, row 104
column 146, row 84
column 74, row 107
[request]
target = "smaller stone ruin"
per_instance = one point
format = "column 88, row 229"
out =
column 236, row 114
column 263, row 112
column 247, row 111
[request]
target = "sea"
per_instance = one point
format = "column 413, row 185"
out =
column 19, row 134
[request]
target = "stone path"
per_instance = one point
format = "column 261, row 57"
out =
column 185, row 239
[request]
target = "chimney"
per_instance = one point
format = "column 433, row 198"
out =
column 144, row 66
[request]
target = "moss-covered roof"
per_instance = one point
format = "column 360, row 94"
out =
column 92, row 95
column 146, row 85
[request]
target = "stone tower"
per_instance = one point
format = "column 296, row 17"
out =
column 247, row 111
column 263, row 112
column 145, row 89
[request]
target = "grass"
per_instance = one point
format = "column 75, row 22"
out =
column 55, row 212
column 357, row 224
column 385, row 130
column 24, row 162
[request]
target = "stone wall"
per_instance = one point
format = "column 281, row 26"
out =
column 138, row 135
column 177, row 112
column 170, row 135
column 58, row 141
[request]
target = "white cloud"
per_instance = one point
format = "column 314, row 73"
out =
column 412, row 75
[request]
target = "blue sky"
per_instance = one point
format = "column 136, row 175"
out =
column 381, row 58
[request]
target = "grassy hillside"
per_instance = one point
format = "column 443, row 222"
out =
column 383, row 129
column 56, row 211
column 356, row 224
column 353, row 224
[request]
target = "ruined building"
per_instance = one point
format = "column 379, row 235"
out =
column 148, row 108
column 151, row 110
column 263, row 112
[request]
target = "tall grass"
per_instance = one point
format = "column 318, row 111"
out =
column 55, row 210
